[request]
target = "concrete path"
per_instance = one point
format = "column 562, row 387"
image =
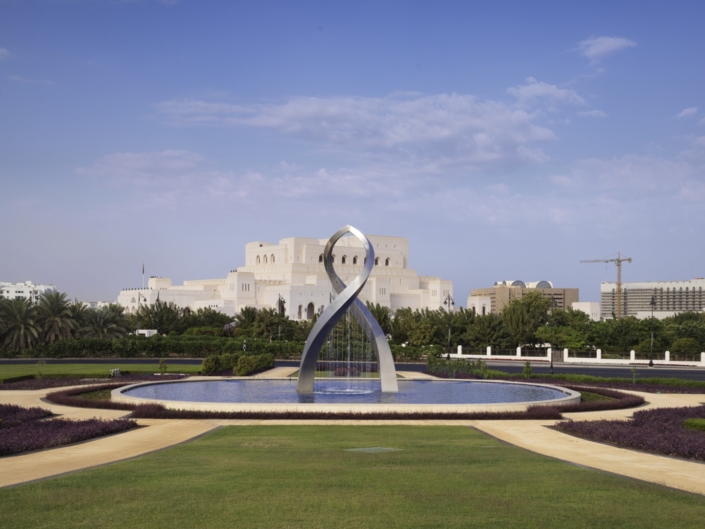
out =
column 538, row 437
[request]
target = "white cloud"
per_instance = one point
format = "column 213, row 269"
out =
column 596, row 48
column 435, row 132
column 4, row 53
column 593, row 114
column 534, row 90
column 687, row 112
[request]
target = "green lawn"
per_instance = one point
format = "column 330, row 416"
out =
column 302, row 476
column 17, row 370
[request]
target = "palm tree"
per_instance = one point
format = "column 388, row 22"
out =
column 78, row 312
column 105, row 323
column 55, row 318
column 246, row 318
column 19, row 320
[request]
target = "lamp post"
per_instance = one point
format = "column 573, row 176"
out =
column 651, row 350
column 448, row 302
column 553, row 338
column 280, row 306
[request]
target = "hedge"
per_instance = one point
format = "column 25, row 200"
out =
column 161, row 346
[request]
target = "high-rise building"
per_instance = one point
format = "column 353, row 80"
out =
column 670, row 297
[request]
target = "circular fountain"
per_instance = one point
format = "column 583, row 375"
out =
column 350, row 340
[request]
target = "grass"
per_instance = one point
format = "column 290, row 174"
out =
column 101, row 394
column 695, row 424
column 18, row 370
column 302, row 476
column 586, row 396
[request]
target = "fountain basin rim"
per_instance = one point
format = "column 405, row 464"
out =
column 117, row 395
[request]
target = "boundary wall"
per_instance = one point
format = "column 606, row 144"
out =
column 570, row 358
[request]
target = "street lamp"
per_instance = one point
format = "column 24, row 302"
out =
column 553, row 338
column 651, row 350
column 448, row 302
column 280, row 306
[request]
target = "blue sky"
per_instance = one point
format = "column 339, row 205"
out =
column 505, row 140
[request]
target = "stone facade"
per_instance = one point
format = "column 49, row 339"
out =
column 293, row 271
column 493, row 300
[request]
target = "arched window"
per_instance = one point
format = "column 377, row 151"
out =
column 386, row 261
column 300, row 309
column 133, row 300
column 376, row 261
column 344, row 259
column 483, row 310
column 320, row 258
column 258, row 259
column 355, row 260
column 310, row 309
column 272, row 258
column 265, row 259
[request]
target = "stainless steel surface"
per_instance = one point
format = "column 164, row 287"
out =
column 347, row 297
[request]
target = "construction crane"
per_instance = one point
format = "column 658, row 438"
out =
column 618, row 261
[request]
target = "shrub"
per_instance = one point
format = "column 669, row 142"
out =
column 248, row 365
column 685, row 346
column 527, row 370
column 210, row 365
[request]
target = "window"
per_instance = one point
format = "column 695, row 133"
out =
column 355, row 260
column 344, row 259
column 272, row 259
column 386, row 261
column 320, row 260
column 258, row 259
column 376, row 261
column 265, row 259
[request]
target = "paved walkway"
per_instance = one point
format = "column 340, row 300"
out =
column 531, row 435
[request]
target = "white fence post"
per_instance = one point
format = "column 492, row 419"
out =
column 668, row 356
column 460, row 349
column 702, row 358
column 549, row 352
column 599, row 354
column 518, row 351
column 565, row 355
column 489, row 350
column 632, row 356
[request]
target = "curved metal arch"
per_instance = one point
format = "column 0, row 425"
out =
column 347, row 297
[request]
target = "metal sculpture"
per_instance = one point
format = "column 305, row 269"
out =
column 347, row 298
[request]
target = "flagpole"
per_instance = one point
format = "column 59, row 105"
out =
column 142, row 276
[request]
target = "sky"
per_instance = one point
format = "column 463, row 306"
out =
column 505, row 140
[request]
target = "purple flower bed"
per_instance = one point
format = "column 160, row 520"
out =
column 37, row 435
column 12, row 415
column 157, row 411
column 44, row 383
column 661, row 431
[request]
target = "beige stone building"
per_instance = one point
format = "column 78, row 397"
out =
column 493, row 300
column 292, row 271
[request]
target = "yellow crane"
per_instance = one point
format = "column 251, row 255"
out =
column 618, row 261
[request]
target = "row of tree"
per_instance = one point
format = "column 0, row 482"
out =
column 529, row 321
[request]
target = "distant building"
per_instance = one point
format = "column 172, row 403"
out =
column 493, row 300
column 293, row 272
column 26, row 290
column 96, row 304
column 670, row 297
column 591, row 308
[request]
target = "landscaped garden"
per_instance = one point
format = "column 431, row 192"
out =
column 26, row 429
column 667, row 431
column 295, row 476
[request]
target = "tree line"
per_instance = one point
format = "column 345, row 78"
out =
column 529, row 322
